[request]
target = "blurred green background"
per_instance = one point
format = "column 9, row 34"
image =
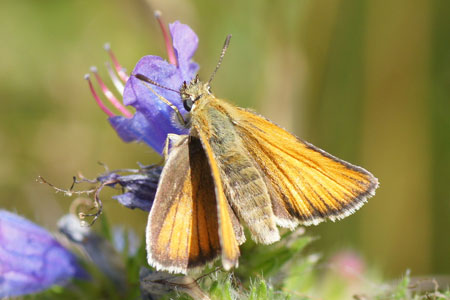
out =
column 366, row 80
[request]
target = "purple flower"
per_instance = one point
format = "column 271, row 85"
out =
column 31, row 260
column 139, row 188
column 153, row 119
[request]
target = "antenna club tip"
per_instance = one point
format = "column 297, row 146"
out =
column 107, row 46
column 87, row 76
column 93, row 69
column 157, row 14
column 227, row 40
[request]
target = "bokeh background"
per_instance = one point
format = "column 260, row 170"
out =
column 367, row 80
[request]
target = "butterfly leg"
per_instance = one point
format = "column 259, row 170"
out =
column 172, row 141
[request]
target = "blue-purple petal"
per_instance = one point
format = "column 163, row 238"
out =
column 141, row 129
column 31, row 260
column 136, row 93
column 185, row 43
column 130, row 200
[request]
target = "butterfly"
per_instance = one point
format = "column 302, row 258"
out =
column 236, row 167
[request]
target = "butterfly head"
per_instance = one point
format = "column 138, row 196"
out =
column 194, row 91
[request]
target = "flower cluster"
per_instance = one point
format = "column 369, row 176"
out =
column 153, row 119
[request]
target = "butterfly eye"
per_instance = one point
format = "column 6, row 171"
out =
column 187, row 103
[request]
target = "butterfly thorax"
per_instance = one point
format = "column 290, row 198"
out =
column 193, row 92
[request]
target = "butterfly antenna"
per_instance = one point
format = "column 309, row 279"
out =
column 222, row 54
column 146, row 80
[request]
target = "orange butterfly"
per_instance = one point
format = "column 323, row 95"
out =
column 236, row 167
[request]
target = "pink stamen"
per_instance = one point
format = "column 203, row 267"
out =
column 110, row 96
column 167, row 39
column 116, row 81
column 97, row 98
column 119, row 69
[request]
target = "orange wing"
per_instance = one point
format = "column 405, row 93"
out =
column 183, row 227
column 230, row 233
column 305, row 182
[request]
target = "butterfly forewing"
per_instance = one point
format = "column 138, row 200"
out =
column 183, row 228
column 309, row 183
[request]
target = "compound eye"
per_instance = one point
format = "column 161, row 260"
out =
column 187, row 103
